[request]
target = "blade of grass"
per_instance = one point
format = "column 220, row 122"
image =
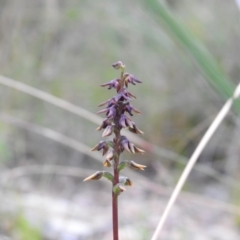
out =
column 50, row 98
column 194, row 47
column 204, row 141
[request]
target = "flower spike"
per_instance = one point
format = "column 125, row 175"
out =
column 117, row 110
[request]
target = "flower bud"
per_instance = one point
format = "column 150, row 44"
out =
column 131, row 164
column 104, row 124
column 107, row 163
column 108, row 131
column 125, row 181
column 98, row 175
column 139, row 150
column 136, row 166
column 109, row 155
column 128, row 146
column 112, row 84
column 135, row 130
column 118, row 189
column 102, row 145
column 95, row 176
column 129, row 108
column 129, row 78
column 109, row 102
column 118, row 65
column 125, row 121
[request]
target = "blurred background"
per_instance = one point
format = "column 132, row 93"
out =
column 185, row 52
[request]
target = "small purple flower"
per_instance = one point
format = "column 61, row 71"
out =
column 108, row 131
column 112, row 84
column 130, row 147
column 110, row 112
column 124, row 95
column 121, row 97
column 102, row 145
column 129, row 78
column 128, row 94
column 125, row 121
column 110, row 102
column 134, row 129
column 106, row 122
column 129, row 108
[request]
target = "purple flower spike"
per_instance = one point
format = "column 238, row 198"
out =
column 117, row 110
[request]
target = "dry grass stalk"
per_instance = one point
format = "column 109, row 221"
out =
column 207, row 136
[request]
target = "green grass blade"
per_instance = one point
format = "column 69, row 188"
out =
column 194, row 47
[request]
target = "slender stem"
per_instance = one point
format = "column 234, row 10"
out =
column 115, row 181
column 204, row 141
column 115, row 207
column 115, row 166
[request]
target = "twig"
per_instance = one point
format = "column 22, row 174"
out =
column 211, row 130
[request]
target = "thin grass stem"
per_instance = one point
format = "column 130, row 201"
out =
column 207, row 136
column 51, row 134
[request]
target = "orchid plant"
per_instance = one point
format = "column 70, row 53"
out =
column 116, row 119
